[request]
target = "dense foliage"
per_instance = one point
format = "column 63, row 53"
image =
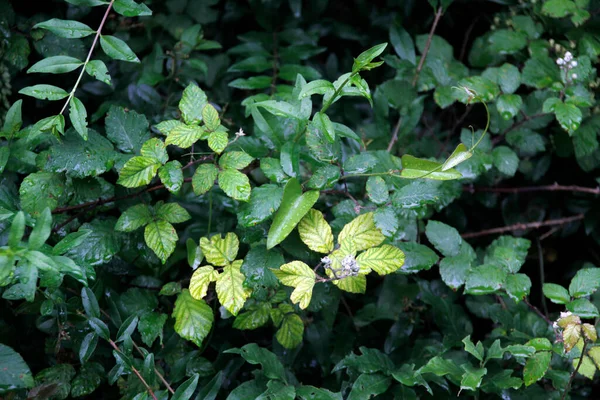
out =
column 299, row 199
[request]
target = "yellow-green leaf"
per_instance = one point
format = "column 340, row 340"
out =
column 589, row 331
column 193, row 318
column 161, row 237
column 204, row 178
column 416, row 168
column 210, row 117
column 201, row 278
column 383, row 260
column 571, row 334
column 217, row 141
column 315, row 232
column 460, row 154
column 230, row 288
column 299, row 276
column 138, row 171
column 351, row 284
column 291, row 331
column 219, row 251
column 587, row 367
column 362, row 232
column 185, row 136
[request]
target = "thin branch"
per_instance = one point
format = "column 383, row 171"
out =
column 463, row 49
column 89, row 56
column 526, row 118
column 156, row 372
column 564, row 395
column 538, row 312
column 136, row 372
column 545, row 188
column 394, row 135
column 437, row 18
column 523, row 226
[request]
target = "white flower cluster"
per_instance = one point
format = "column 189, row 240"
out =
column 240, row 133
column 349, row 267
column 562, row 315
column 567, row 63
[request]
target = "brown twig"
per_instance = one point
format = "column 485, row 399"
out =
column 438, row 16
column 564, row 395
column 463, row 49
column 526, row 118
column 394, row 135
column 545, row 188
column 523, row 226
column 542, row 274
column 136, row 372
column 537, row 311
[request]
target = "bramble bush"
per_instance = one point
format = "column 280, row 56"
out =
column 299, row 199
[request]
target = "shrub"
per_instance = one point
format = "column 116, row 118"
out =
column 287, row 199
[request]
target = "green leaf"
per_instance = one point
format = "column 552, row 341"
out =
column 15, row 373
column 319, row 86
column 536, row 367
column 66, row 28
column 485, row 279
column 4, row 156
column 218, row 141
column 315, row 232
column 279, row 108
column 377, row 190
column 403, row 44
column 230, row 288
column 117, row 49
column 98, row 70
column 272, row 169
column 569, row 116
column 56, row 65
column 556, row 293
column 360, row 163
column 54, row 124
column 445, row 238
column 505, row 41
column 155, row 148
column 235, row 160
column 161, row 237
column 41, row 230
column 313, row 393
column 540, row 72
column 90, row 303
column 67, row 156
column 211, row 119
column 383, row 260
column 369, row 385
column 471, row 379
column 130, row 8
column 128, row 130
column 186, row 390
column 88, row 346
column 201, row 279
column 100, row 245
column 299, row 276
column 151, row 326
column 40, row 190
column 204, row 178
column 295, row 205
column 583, row 308
column 138, row 171
column 220, row 251
column 192, row 103
column 322, row 122
column 172, row 212
column 271, row 366
column 13, row 118
column 235, row 184
column 518, row 286
column 558, row 8
column 133, row 218
column 361, row 233
column 171, row 176
column 364, row 59
column 585, row 282
column 476, row 351
column 78, row 116
column 264, row 201
column 252, row 83
column 193, row 318
column 70, row 241
column 509, row 78
column 127, row 328
column 509, row 105
column 44, row 92
column 415, row 168
column 254, row 318
column 17, row 230
column 505, row 160
column 290, row 333
column 99, row 327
